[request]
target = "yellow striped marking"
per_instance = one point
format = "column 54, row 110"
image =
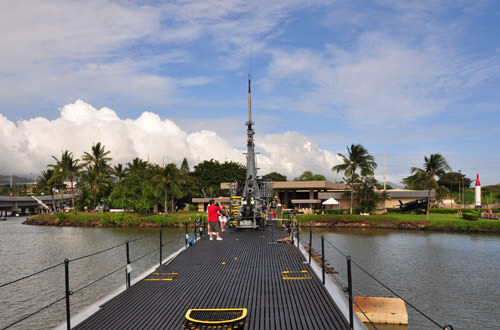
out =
column 295, row 275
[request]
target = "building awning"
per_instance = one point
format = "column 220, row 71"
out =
column 331, row 201
column 306, row 201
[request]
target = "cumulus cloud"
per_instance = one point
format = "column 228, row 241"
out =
column 29, row 144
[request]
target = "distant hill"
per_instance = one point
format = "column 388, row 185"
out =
column 5, row 180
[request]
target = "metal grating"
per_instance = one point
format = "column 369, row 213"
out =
column 243, row 270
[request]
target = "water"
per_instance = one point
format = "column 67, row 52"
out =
column 27, row 249
column 453, row 278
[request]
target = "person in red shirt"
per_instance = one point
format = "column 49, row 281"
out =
column 213, row 220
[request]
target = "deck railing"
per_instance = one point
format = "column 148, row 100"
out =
column 294, row 231
column 199, row 230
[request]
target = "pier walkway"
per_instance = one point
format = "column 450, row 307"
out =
column 247, row 269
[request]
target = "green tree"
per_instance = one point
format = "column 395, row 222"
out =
column 210, row 174
column 435, row 165
column 357, row 160
column 309, row 176
column 138, row 190
column 67, row 167
column 185, row 166
column 47, row 182
column 452, row 180
column 275, row 177
column 98, row 169
column 119, row 172
column 171, row 179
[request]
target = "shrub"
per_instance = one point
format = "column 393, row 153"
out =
column 333, row 211
column 193, row 207
column 61, row 216
column 470, row 215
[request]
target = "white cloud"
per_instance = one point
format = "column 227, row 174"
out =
column 380, row 81
column 31, row 143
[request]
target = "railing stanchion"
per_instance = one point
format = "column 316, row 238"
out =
column 195, row 230
column 349, row 288
column 298, row 233
column 310, row 244
column 127, row 272
column 66, row 280
column 186, row 236
column 323, row 257
column 161, row 245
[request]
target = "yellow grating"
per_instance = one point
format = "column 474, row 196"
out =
column 295, row 275
column 161, row 277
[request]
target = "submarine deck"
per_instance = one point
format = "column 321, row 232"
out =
column 247, row 269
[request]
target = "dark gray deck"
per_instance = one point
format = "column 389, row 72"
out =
column 242, row 271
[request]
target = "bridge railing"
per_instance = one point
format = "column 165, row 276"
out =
column 347, row 286
column 199, row 230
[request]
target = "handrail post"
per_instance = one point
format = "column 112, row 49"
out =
column 298, row 233
column 323, row 257
column 201, row 227
column 195, row 230
column 349, row 288
column 161, row 245
column 186, row 236
column 310, row 244
column 127, row 278
column 68, row 293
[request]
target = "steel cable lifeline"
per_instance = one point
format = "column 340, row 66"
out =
column 390, row 290
column 143, row 256
column 342, row 284
column 99, row 279
column 38, row 311
column 28, row 276
column 79, row 289
column 397, row 295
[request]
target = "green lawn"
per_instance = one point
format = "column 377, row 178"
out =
column 120, row 219
column 437, row 221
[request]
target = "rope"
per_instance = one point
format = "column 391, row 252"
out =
column 96, row 253
column 397, row 295
column 371, row 323
column 333, row 246
column 154, row 250
column 143, row 237
column 99, row 279
column 38, row 311
column 28, row 276
column 385, row 286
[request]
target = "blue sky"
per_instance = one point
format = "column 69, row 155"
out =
column 403, row 78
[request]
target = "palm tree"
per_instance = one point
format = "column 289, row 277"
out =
column 435, row 165
column 47, row 182
column 137, row 164
column 170, row 181
column 357, row 159
column 97, row 162
column 119, row 172
column 67, row 167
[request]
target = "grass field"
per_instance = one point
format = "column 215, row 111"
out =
column 451, row 222
column 116, row 219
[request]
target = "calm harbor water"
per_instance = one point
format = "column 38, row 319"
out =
column 27, row 249
column 453, row 278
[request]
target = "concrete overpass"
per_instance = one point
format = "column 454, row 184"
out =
column 31, row 204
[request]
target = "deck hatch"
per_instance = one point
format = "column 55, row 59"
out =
column 161, row 277
column 295, row 275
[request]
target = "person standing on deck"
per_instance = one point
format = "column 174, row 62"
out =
column 213, row 220
column 223, row 218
